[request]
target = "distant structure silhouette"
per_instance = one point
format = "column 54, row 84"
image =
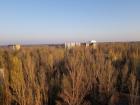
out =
column 86, row 44
column 15, row 46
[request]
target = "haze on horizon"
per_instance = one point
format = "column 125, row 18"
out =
column 57, row 21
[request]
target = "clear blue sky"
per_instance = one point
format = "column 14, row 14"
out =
column 56, row 21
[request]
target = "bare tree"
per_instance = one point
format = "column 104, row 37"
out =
column 76, row 84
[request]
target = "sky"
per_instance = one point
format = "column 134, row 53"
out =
column 58, row 21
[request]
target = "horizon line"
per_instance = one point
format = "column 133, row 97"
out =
column 69, row 42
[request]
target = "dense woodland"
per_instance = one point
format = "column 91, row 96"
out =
column 107, row 75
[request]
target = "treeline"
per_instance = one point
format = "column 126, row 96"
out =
column 77, row 76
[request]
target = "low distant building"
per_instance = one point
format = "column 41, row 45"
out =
column 72, row 44
column 93, row 43
column 86, row 44
column 90, row 43
column 15, row 46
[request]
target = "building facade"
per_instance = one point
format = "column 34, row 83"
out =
column 15, row 47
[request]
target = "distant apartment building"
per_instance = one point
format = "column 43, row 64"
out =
column 93, row 43
column 15, row 46
column 72, row 44
column 86, row 44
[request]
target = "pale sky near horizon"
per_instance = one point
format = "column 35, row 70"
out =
column 57, row 21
